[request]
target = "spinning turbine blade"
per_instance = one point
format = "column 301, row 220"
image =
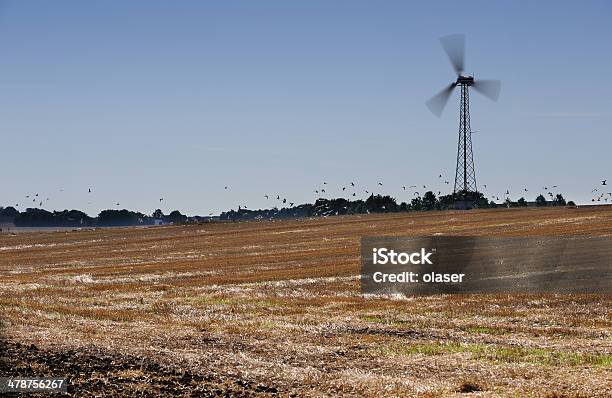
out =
column 454, row 45
column 488, row 88
column 437, row 103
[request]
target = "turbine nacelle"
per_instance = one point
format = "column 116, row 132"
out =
column 465, row 80
column 454, row 46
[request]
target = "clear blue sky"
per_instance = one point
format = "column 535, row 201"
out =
column 146, row 99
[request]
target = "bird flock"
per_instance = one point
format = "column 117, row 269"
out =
column 352, row 190
column 600, row 193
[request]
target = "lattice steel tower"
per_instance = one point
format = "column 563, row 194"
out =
column 465, row 174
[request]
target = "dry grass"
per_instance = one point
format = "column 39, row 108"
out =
column 278, row 303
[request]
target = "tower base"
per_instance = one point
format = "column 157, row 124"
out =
column 468, row 200
column 464, row 205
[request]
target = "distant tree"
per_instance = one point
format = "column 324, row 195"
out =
column 44, row 218
column 228, row 215
column 358, row 207
column 115, row 218
column 446, row 201
column 72, row 218
column 381, row 204
column 481, row 201
column 157, row 214
column 404, row 206
column 508, row 203
column 541, row 201
column 430, row 202
column 34, row 218
column 521, row 202
column 176, row 217
column 571, row 203
column 559, row 200
column 416, row 204
column 8, row 214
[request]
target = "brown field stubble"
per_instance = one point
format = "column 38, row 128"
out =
column 274, row 308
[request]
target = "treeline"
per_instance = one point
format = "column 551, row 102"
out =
column 380, row 204
column 34, row 217
column 540, row 201
column 340, row 206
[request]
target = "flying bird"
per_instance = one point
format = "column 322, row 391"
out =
column 603, row 182
column 404, row 188
column 352, row 184
column 89, row 190
column 225, row 187
column 343, row 188
column 380, row 183
column 266, row 196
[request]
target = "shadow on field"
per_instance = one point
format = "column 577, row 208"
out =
column 95, row 372
column 3, row 349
